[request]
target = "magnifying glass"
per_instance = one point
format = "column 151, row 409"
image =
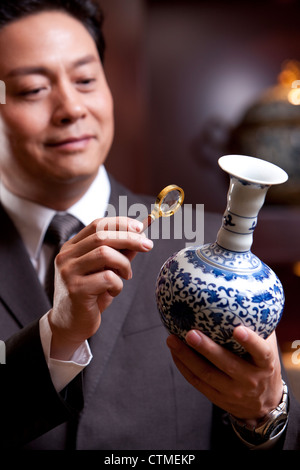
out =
column 167, row 203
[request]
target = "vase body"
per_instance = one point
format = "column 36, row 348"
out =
column 218, row 286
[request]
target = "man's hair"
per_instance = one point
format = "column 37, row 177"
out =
column 88, row 12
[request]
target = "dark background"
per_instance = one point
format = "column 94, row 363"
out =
column 182, row 74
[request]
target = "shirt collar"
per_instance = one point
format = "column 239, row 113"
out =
column 32, row 220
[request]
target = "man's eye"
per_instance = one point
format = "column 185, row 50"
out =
column 33, row 92
column 86, row 81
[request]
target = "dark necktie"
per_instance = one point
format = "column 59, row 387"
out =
column 60, row 230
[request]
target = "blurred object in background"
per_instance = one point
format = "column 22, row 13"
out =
column 270, row 129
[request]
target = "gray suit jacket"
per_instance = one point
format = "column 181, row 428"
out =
column 131, row 396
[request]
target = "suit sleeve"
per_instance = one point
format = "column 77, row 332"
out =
column 292, row 438
column 30, row 405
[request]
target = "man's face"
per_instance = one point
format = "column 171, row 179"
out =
column 56, row 127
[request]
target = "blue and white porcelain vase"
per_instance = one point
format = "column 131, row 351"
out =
column 218, row 286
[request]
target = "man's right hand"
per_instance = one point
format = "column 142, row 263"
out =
column 89, row 273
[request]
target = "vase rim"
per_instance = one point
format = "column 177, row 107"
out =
column 253, row 169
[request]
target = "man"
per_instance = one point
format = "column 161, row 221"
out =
column 92, row 371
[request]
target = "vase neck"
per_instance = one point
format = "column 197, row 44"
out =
column 244, row 201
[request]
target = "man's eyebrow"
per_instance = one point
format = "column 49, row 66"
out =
column 84, row 60
column 41, row 70
column 27, row 70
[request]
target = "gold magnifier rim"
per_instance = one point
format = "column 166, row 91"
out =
column 162, row 195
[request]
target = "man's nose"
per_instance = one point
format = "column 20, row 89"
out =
column 68, row 106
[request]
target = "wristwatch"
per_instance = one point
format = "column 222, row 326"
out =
column 269, row 429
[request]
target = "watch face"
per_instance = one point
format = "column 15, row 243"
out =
column 275, row 426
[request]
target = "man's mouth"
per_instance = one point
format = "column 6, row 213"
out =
column 70, row 143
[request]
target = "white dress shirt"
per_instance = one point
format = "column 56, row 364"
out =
column 32, row 220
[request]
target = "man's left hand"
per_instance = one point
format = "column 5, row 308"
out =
column 248, row 388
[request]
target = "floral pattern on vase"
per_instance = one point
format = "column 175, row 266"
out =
column 194, row 293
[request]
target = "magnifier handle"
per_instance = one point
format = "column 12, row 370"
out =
column 147, row 221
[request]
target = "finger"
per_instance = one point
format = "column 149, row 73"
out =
column 130, row 255
column 203, row 383
column 120, row 239
column 127, row 241
column 224, row 360
column 263, row 352
column 112, row 223
column 95, row 285
column 102, row 258
column 119, row 224
column 196, row 368
column 84, row 233
column 103, row 282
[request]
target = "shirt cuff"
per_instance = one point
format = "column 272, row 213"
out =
column 63, row 372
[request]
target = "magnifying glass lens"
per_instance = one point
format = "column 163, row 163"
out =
column 167, row 203
column 170, row 201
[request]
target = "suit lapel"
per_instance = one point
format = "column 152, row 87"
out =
column 20, row 288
